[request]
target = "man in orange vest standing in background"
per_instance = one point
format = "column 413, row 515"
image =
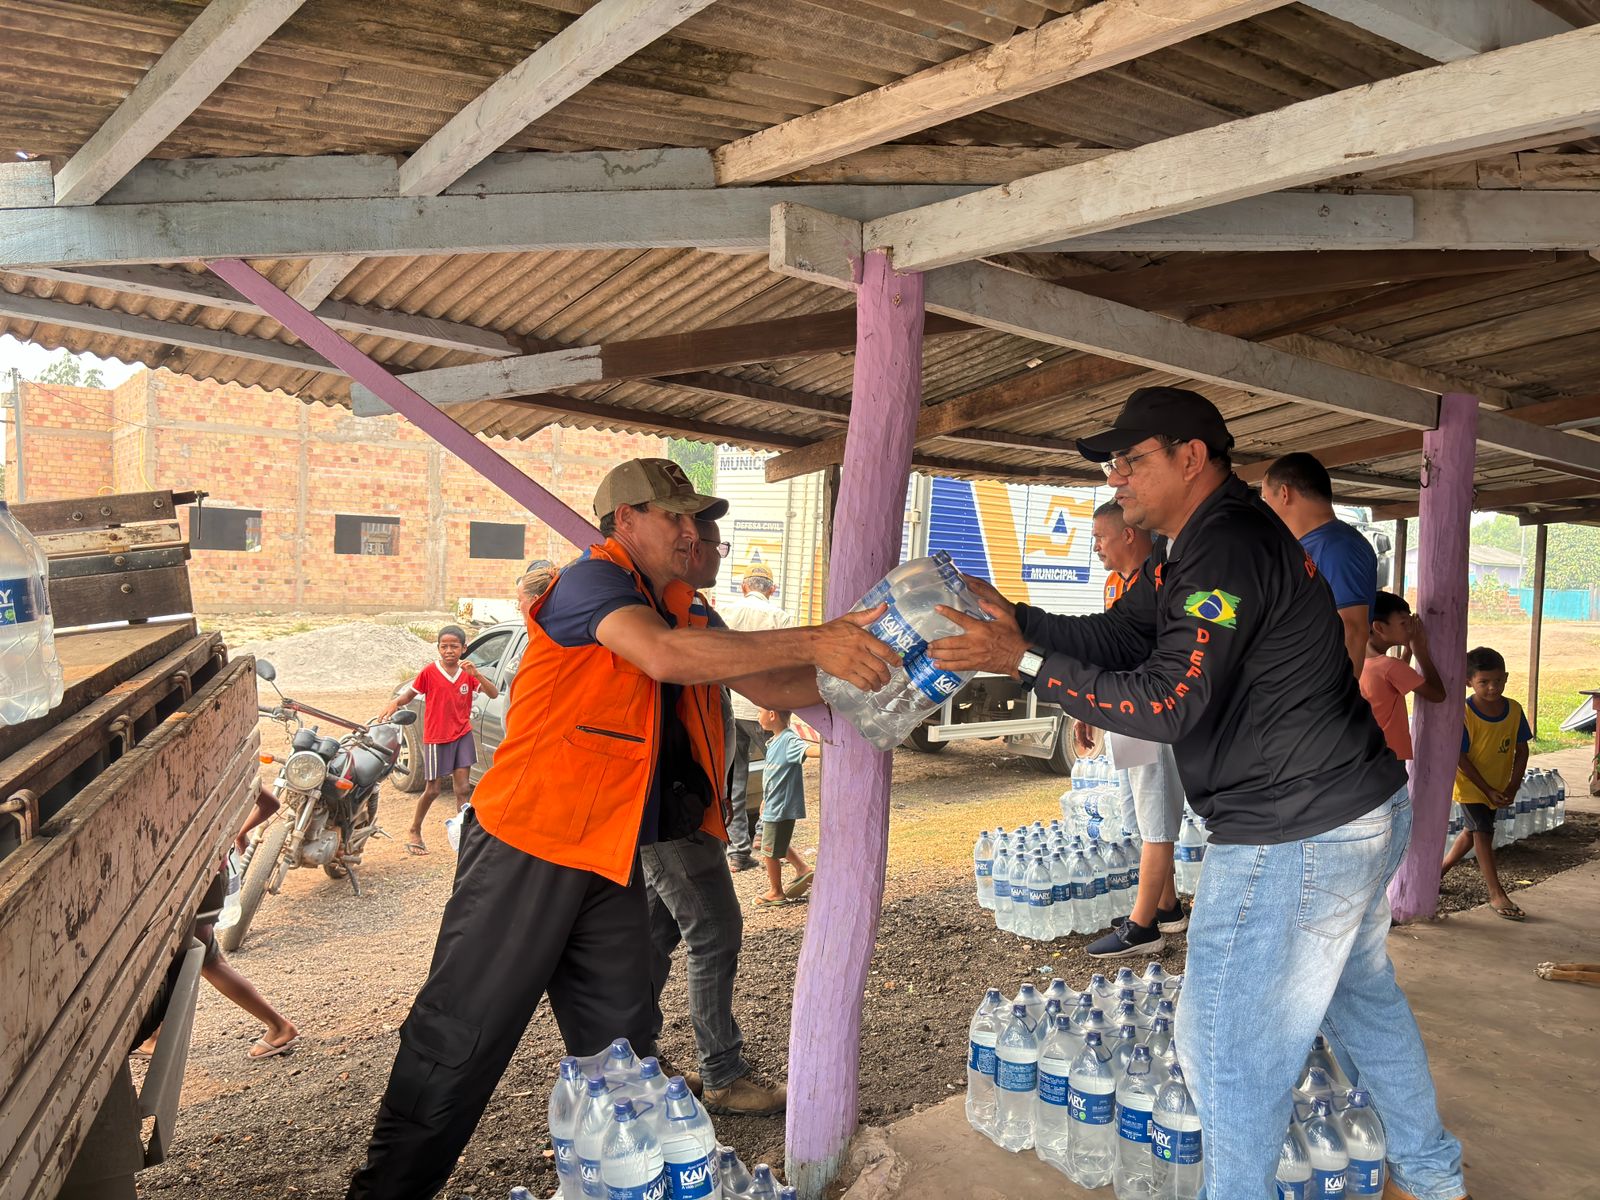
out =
column 614, row 738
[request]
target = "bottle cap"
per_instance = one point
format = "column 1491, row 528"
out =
column 597, row 1085
column 649, row 1068
column 569, row 1068
column 623, row 1110
column 1357, row 1098
column 677, row 1088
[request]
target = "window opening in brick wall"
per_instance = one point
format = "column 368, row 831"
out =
column 493, row 539
column 212, row 528
column 365, row 535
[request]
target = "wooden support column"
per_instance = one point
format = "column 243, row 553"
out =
column 478, row 455
column 1402, row 538
column 1446, row 511
column 1541, row 544
column 825, row 1031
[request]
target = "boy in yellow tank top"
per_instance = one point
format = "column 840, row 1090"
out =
column 1494, row 755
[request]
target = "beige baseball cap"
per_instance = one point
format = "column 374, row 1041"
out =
column 658, row 481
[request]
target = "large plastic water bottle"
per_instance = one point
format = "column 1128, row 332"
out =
column 1134, row 1175
column 1323, row 1057
column 622, row 1064
column 1052, row 1119
column 1091, row 1096
column 1016, row 1078
column 1160, row 1044
column 31, row 681
column 1041, row 898
column 1330, row 1158
column 653, row 1091
column 1561, row 797
column 1032, row 999
column 566, row 1105
column 983, row 870
column 1021, row 910
column 688, row 1145
column 1364, row 1142
column 1100, row 913
column 1080, row 882
column 1188, row 857
column 732, row 1174
column 1522, row 812
column 1294, row 1166
column 1175, row 1142
column 1000, row 886
column 594, row 1123
column 630, row 1158
column 1060, row 896
column 1118, row 880
column 762, row 1185
column 1123, row 1044
column 913, row 592
column 982, row 1034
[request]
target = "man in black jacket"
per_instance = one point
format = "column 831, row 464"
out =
column 1228, row 646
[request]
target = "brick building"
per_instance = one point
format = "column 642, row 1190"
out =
column 309, row 508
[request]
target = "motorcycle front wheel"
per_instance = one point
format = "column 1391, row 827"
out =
column 256, row 877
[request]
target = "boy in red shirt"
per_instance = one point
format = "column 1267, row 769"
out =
column 1385, row 680
column 446, row 724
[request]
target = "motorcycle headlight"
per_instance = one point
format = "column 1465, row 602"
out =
column 305, row 771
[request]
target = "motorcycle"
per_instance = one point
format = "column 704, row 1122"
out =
column 327, row 790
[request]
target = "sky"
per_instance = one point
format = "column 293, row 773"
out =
column 30, row 360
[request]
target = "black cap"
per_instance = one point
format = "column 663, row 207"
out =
column 1160, row 412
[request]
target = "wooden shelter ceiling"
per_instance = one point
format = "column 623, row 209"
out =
column 348, row 77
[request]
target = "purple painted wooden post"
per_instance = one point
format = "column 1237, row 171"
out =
column 1444, row 524
column 480, row 456
column 825, row 1032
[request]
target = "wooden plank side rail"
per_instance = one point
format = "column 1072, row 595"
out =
column 91, row 917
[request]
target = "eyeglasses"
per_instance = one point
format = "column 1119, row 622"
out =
column 723, row 549
column 1122, row 464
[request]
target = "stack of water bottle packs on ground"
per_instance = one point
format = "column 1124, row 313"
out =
column 1090, row 1082
column 623, row 1131
column 1541, row 805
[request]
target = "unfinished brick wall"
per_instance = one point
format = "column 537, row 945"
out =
column 66, row 442
column 302, row 465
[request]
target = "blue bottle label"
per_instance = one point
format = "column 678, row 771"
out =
column 656, row 1189
column 1052, row 1089
column 20, row 601
column 1091, row 1108
column 1060, row 893
column 1292, row 1191
column 1133, row 1124
column 1179, row 1146
column 691, row 1180
column 1326, row 1183
column 1190, row 853
column 1002, row 887
column 1100, row 888
column 1016, row 1076
column 1080, row 890
column 566, row 1156
column 1364, row 1178
column 589, row 1177
column 981, row 1058
column 1119, row 880
column 1040, row 897
column 984, row 867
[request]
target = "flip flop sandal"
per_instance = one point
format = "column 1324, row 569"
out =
column 764, row 902
column 416, row 849
column 271, row 1051
column 799, row 887
column 1510, row 913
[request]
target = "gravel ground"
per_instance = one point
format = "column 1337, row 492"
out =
column 348, row 657
column 345, row 968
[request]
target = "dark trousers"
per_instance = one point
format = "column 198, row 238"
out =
column 750, row 743
column 692, row 900
column 515, row 928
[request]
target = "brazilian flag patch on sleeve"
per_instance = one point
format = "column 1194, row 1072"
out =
column 1216, row 606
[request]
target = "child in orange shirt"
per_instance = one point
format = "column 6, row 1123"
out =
column 1386, row 680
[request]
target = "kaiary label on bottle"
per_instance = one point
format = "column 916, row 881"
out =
column 1179, row 1146
column 1016, row 1076
column 1090, row 1108
column 19, row 601
column 1133, row 1124
column 1326, row 1183
column 656, row 1189
column 981, row 1058
column 691, row 1180
column 1365, row 1177
column 1052, row 1089
column 566, row 1156
column 1292, row 1191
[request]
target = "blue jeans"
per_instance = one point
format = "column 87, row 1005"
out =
column 1285, row 940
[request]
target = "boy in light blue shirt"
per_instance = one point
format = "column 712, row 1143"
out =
column 783, row 802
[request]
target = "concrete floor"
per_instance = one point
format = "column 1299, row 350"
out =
column 1516, row 1059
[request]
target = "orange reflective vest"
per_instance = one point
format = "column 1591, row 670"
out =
column 570, row 780
column 1117, row 584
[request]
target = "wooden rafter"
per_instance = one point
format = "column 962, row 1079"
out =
column 222, row 36
column 1540, row 87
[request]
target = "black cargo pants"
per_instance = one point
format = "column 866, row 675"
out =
column 515, row 928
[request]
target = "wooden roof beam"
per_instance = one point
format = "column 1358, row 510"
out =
column 1070, row 47
column 1577, row 514
column 1543, row 86
column 1500, row 499
column 222, row 35
column 696, row 350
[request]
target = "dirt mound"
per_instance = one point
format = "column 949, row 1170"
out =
column 356, row 656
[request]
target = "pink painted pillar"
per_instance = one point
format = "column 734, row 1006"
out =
column 1443, row 529
column 480, row 456
column 825, row 1031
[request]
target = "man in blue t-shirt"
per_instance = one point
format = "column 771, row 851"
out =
column 1298, row 489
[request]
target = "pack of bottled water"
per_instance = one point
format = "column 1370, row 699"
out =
column 622, row 1131
column 31, row 680
column 1044, row 882
column 1189, row 855
column 1539, row 807
column 913, row 591
column 1334, row 1145
column 1103, row 1099
column 1089, row 1081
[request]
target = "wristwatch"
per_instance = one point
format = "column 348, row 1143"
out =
column 1031, row 663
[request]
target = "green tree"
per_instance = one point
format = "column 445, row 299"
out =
column 699, row 463
column 67, row 368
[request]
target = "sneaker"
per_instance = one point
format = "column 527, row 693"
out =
column 1174, row 919
column 740, row 862
column 1127, row 938
column 744, row 1097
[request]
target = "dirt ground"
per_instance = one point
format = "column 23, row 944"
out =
column 344, row 970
